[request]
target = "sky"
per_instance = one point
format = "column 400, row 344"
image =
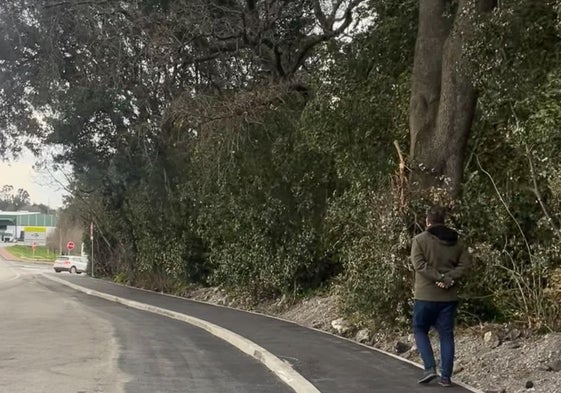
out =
column 42, row 183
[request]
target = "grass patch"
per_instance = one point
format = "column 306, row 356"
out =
column 41, row 252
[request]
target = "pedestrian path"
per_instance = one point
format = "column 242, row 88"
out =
column 330, row 363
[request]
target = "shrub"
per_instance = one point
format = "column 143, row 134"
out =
column 373, row 244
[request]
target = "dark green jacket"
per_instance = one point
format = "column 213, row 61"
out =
column 438, row 255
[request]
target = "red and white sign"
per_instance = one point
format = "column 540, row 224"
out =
column 34, row 245
column 70, row 246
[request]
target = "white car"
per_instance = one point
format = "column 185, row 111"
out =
column 70, row 263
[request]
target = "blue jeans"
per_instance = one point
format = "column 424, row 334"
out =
column 442, row 316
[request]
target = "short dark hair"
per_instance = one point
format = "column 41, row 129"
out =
column 436, row 215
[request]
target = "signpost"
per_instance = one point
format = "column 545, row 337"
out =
column 70, row 246
column 92, row 240
column 33, row 247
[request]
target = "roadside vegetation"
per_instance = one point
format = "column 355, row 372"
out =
column 41, row 253
column 276, row 148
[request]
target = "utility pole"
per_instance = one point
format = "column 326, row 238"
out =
column 92, row 241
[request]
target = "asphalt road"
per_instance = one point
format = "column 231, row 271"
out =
column 54, row 339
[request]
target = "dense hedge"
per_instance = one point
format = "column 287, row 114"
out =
column 284, row 191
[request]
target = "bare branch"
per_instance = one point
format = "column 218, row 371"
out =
column 329, row 32
column 77, row 3
column 538, row 194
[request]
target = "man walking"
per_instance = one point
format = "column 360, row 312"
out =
column 439, row 260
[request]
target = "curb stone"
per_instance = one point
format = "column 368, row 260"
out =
column 280, row 368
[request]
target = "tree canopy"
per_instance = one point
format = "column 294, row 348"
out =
column 276, row 147
column 12, row 200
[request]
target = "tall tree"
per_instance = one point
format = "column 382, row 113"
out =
column 443, row 97
column 13, row 201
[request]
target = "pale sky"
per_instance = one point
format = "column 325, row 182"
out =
column 43, row 185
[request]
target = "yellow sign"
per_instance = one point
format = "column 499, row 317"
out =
column 35, row 229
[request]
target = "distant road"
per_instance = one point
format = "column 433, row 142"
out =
column 57, row 340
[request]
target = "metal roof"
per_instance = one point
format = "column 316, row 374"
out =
column 23, row 218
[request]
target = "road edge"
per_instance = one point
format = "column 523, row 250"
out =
column 276, row 365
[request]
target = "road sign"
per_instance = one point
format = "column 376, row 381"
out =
column 35, row 234
column 34, row 245
column 70, row 246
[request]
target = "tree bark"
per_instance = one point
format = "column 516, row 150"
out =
column 443, row 99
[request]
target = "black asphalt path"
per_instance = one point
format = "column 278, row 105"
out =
column 162, row 355
column 332, row 364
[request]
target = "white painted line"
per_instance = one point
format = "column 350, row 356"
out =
column 280, row 368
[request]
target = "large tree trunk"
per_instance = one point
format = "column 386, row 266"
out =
column 443, row 98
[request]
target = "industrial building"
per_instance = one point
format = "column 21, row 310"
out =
column 28, row 227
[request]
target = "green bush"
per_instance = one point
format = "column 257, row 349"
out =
column 373, row 244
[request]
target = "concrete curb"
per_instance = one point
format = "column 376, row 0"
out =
column 278, row 367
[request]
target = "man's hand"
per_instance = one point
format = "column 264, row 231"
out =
column 446, row 284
